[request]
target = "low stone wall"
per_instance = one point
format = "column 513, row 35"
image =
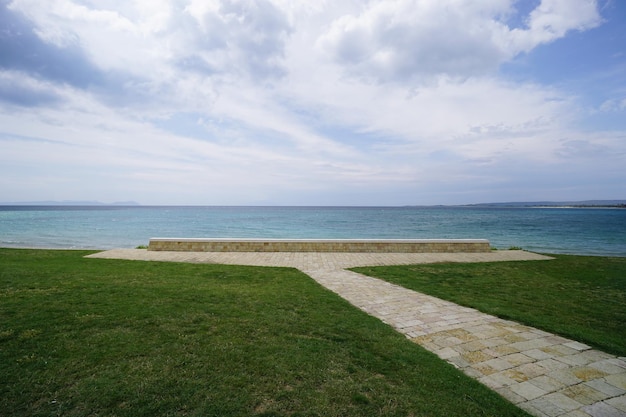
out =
column 322, row 245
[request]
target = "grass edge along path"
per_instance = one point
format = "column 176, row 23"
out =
column 579, row 297
column 108, row 337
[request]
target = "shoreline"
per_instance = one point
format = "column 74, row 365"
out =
column 97, row 250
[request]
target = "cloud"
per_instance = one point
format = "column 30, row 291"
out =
column 281, row 102
column 17, row 89
column 613, row 105
column 553, row 19
column 407, row 39
column 22, row 50
column 226, row 36
column 235, row 36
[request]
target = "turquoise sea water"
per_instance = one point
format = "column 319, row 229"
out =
column 589, row 231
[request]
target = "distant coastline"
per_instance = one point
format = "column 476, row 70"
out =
column 618, row 204
column 69, row 203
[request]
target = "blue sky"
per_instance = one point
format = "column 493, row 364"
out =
column 282, row 102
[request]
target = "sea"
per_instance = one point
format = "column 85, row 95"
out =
column 564, row 230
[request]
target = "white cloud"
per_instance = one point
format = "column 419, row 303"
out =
column 552, row 19
column 408, row 39
column 234, row 36
column 403, row 38
column 110, row 39
column 219, row 36
column 233, row 101
column 26, row 91
column 613, row 105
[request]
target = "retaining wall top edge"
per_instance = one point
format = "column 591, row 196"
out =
column 255, row 240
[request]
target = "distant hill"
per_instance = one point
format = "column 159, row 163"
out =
column 70, row 203
column 584, row 203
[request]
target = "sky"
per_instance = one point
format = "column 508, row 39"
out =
column 312, row 102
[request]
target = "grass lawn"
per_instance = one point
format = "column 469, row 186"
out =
column 121, row 338
column 580, row 297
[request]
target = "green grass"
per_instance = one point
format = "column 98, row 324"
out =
column 95, row 337
column 581, row 297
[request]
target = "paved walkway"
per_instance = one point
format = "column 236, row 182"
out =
column 544, row 374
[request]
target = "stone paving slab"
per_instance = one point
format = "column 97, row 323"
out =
column 544, row 374
column 315, row 260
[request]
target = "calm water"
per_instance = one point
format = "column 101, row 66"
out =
column 552, row 230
